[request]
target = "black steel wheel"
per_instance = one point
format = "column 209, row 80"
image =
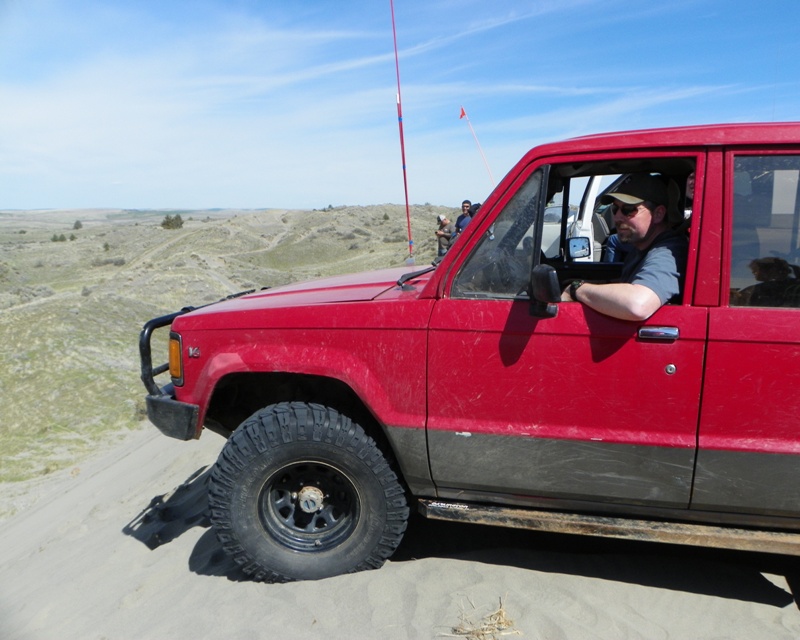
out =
column 301, row 492
column 309, row 506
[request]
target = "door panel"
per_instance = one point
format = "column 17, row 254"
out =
column 749, row 438
column 575, row 406
column 749, row 457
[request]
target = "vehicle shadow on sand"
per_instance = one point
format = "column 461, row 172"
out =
column 726, row 574
column 170, row 515
column 721, row 573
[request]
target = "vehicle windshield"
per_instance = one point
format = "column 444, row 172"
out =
column 499, row 267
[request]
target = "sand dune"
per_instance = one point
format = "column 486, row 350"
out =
column 119, row 548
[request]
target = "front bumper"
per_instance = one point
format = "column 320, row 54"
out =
column 173, row 418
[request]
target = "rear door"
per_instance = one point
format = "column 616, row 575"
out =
column 576, row 407
column 749, row 454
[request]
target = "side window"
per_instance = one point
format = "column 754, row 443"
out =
column 765, row 248
column 500, row 265
column 583, row 191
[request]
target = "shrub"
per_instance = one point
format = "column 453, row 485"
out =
column 102, row 262
column 78, row 225
column 172, row 222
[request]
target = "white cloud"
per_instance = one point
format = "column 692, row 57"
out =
column 135, row 104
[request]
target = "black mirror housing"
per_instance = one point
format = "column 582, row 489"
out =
column 545, row 291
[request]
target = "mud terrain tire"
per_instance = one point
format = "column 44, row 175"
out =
column 300, row 492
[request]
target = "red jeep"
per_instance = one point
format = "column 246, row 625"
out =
column 472, row 391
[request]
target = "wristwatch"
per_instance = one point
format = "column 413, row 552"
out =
column 573, row 289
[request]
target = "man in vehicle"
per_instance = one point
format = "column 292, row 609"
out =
column 653, row 272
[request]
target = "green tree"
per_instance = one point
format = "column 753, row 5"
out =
column 172, row 222
column 78, row 225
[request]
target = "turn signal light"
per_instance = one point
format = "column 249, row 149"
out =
column 175, row 360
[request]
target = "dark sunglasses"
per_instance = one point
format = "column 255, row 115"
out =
column 628, row 210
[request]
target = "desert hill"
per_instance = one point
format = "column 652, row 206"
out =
column 77, row 285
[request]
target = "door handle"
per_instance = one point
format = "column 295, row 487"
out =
column 667, row 334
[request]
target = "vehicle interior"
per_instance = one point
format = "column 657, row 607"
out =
column 501, row 267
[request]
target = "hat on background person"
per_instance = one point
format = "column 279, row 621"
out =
column 441, row 218
column 638, row 188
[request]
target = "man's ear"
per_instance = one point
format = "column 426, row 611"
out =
column 659, row 214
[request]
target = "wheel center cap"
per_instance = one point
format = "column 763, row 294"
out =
column 310, row 499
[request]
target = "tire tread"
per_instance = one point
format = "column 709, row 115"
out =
column 285, row 423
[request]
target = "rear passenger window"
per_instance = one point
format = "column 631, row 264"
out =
column 765, row 247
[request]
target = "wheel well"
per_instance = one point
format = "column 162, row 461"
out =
column 238, row 396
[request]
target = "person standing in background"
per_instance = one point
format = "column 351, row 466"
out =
column 444, row 234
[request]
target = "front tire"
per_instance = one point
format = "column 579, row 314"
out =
column 300, row 492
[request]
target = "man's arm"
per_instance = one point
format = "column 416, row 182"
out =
column 618, row 299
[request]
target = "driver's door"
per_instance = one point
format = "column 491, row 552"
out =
column 576, row 407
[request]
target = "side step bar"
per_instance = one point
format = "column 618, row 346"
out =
column 698, row 535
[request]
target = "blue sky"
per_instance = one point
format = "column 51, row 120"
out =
column 250, row 103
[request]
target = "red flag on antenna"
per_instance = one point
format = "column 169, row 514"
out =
column 463, row 114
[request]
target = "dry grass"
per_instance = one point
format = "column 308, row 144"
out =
column 492, row 626
column 71, row 312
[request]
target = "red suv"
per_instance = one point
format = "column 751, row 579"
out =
column 471, row 391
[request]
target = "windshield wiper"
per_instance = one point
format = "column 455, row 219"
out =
column 413, row 274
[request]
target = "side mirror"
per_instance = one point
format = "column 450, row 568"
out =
column 578, row 248
column 545, row 290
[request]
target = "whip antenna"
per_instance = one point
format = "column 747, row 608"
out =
column 464, row 115
column 410, row 259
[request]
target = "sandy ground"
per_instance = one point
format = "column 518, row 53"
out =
column 119, row 549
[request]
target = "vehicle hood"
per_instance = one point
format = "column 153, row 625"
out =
column 356, row 287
